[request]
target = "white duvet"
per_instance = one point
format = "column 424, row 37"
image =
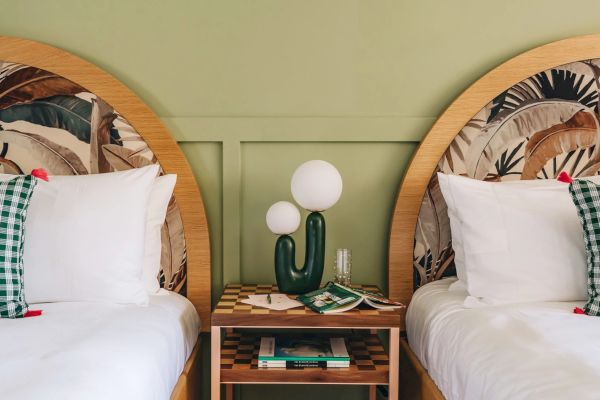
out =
column 97, row 351
column 518, row 351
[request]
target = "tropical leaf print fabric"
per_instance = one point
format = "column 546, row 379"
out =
column 14, row 201
column 586, row 196
column 47, row 121
column 541, row 126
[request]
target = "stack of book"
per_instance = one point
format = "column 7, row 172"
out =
column 304, row 351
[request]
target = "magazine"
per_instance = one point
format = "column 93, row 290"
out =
column 335, row 298
column 302, row 349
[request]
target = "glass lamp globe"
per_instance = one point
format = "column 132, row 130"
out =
column 283, row 218
column 316, row 185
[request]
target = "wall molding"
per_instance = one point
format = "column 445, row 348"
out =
column 299, row 129
column 233, row 132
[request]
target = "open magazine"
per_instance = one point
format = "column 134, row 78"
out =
column 335, row 298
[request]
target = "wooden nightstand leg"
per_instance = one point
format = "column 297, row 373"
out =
column 394, row 363
column 215, row 363
column 373, row 392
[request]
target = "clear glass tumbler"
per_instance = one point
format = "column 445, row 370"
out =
column 343, row 267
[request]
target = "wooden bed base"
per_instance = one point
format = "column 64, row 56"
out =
column 171, row 159
column 189, row 386
column 415, row 382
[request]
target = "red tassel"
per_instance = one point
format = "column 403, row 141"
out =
column 33, row 313
column 40, row 173
column 564, row 177
column 578, row 310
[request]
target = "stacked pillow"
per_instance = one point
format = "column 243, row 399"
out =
column 516, row 241
column 95, row 237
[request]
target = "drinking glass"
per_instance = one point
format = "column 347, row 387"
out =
column 343, row 267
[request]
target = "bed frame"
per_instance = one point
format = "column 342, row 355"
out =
column 406, row 270
column 193, row 242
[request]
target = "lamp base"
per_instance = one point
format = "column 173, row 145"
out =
column 291, row 279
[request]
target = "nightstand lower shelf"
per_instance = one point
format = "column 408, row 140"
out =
column 369, row 363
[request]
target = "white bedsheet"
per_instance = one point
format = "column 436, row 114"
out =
column 518, row 351
column 97, row 351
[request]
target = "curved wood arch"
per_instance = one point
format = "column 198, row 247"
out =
column 162, row 144
column 444, row 130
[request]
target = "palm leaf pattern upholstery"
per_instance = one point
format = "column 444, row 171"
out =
column 541, row 126
column 47, row 121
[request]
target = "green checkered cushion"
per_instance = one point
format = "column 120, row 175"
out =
column 586, row 196
column 14, row 201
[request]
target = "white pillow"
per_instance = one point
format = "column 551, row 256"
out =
column 455, row 222
column 456, row 229
column 516, row 241
column 84, row 238
column 161, row 193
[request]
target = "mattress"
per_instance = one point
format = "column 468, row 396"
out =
column 98, row 351
column 518, row 351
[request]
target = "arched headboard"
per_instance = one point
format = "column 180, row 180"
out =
column 529, row 118
column 67, row 115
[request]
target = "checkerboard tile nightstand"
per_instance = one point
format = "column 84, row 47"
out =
column 234, row 353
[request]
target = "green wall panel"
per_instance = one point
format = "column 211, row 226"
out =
column 297, row 57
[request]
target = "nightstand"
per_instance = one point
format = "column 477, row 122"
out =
column 235, row 343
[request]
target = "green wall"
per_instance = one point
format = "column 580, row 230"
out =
column 251, row 89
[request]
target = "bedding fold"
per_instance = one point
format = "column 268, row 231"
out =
column 98, row 351
column 537, row 350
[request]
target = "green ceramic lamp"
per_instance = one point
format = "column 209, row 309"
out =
column 316, row 186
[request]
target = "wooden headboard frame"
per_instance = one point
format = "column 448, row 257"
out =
column 446, row 128
column 157, row 137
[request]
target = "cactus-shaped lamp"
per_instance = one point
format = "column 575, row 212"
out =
column 316, row 186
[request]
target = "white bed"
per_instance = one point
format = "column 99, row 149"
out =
column 106, row 351
column 518, row 351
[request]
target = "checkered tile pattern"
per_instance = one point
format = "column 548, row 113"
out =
column 14, row 201
column 231, row 302
column 240, row 351
column 586, row 196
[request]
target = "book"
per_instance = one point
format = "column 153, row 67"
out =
column 303, row 364
column 335, row 298
column 304, row 348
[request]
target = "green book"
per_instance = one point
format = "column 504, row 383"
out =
column 302, row 348
column 335, row 298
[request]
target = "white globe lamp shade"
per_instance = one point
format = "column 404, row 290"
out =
column 316, row 185
column 283, row 218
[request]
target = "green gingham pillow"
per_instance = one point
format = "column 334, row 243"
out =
column 14, row 201
column 586, row 196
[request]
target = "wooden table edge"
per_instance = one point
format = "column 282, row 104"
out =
column 394, row 320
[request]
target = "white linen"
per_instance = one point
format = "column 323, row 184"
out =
column 162, row 191
column 98, row 351
column 516, row 241
column 84, row 238
column 535, row 350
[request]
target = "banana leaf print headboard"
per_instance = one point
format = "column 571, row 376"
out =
column 63, row 114
column 530, row 118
